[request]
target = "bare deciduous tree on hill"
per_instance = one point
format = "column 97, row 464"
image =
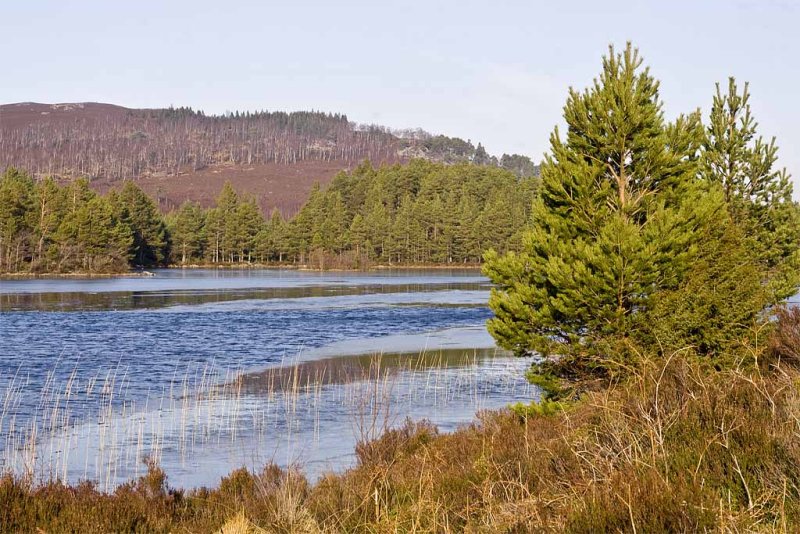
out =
column 99, row 140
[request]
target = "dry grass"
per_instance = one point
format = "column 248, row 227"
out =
column 677, row 447
column 785, row 342
column 91, row 429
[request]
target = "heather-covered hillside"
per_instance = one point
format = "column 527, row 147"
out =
column 179, row 153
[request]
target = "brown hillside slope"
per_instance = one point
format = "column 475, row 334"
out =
column 25, row 114
column 180, row 154
column 274, row 185
column 177, row 154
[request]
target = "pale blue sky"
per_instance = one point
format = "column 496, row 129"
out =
column 495, row 72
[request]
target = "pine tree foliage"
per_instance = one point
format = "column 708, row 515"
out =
column 620, row 216
column 716, row 307
column 187, row 229
column 758, row 194
column 134, row 208
column 16, row 204
column 422, row 213
column 48, row 228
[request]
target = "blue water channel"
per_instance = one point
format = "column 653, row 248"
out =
column 97, row 374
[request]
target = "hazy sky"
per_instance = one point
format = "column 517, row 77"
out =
column 495, row 72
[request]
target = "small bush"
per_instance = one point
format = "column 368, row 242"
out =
column 395, row 443
column 545, row 380
column 784, row 343
column 543, row 408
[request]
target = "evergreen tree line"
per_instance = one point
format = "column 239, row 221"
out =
column 454, row 150
column 422, row 212
column 45, row 227
column 648, row 235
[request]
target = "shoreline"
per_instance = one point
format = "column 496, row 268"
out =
column 35, row 276
column 235, row 267
column 306, row 267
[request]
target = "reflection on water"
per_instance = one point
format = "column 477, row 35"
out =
column 361, row 367
column 132, row 300
column 231, row 368
column 311, row 415
column 231, row 279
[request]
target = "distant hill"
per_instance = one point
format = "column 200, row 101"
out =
column 177, row 154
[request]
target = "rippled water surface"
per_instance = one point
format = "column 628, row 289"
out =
column 210, row 370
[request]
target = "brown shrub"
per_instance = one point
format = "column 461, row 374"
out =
column 396, row 443
column 784, row 344
column 677, row 448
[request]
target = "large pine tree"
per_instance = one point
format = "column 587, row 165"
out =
column 16, row 201
column 758, row 193
column 620, row 216
column 134, row 208
column 187, row 232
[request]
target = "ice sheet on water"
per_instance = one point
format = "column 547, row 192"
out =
column 432, row 298
column 201, row 279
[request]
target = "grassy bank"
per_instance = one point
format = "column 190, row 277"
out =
column 676, row 447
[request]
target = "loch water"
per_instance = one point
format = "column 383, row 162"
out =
column 205, row 371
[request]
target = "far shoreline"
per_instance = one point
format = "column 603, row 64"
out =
column 78, row 276
column 235, row 267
